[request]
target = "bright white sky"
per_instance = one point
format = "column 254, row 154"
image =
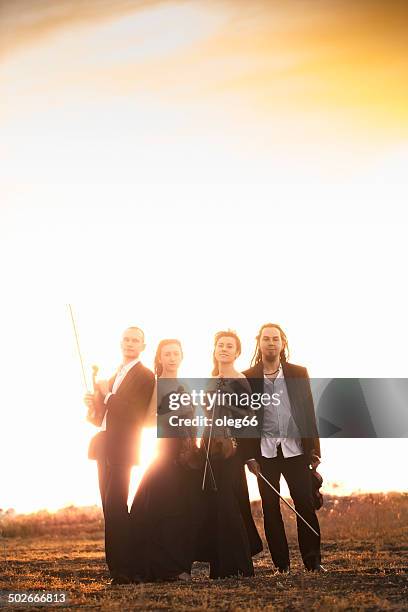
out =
column 185, row 180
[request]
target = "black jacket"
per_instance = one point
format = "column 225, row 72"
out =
column 127, row 410
column 301, row 400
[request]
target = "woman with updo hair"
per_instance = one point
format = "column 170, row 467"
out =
column 228, row 537
column 164, row 512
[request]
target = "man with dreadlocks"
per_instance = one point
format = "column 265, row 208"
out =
column 288, row 443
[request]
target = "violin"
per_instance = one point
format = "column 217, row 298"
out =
column 222, row 447
column 317, row 481
column 190, row 455
column 222, row 444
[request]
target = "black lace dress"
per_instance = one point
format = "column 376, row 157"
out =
column 164, row 516
column 228, row 537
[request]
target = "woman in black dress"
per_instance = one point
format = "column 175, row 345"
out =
column 228, row 538
column 164, row 514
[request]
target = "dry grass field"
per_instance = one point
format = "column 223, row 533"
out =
column 365, row 550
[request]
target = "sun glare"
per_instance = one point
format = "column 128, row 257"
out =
column 191, row 167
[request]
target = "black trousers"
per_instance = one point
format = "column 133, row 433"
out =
column 114, row 482
column 297, row 474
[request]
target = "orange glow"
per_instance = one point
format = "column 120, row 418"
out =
column 187, row 167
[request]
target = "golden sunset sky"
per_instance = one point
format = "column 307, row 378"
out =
column 189, row 166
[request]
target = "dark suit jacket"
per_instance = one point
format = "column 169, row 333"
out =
column 127, row 409
column 301, row 401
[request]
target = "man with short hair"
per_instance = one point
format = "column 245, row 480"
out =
column 119, row 407
column 287, row 445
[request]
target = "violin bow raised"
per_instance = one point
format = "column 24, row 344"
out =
column 71, row 312
column 91, row 412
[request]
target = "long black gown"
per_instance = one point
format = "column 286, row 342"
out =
column 164, row 515
column 228, row 537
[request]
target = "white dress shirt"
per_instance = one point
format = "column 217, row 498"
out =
column 123, row 370
column 279, row 427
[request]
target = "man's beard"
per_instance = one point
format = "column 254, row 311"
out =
column 270, row 355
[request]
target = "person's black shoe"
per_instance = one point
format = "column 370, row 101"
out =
column 316, row 567
column 184, row 577
column 136, row 579
column 118, row 579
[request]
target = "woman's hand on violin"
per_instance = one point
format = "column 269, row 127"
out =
column 254, row 467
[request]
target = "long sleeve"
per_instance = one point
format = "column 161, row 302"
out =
column 312, row 430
